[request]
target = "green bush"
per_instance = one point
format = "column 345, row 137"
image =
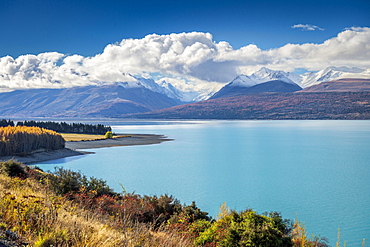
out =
column 13, row 168
column 191, row 212
column 64, row 181
column 108, row 135
column 247, row 229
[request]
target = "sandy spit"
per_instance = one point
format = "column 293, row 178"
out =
column 72, row 148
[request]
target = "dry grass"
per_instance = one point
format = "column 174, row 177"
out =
column 81, row 137
column 86, row 137
column 43, row 219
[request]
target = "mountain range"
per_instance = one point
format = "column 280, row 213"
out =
column 141, row 95
column 112, row 100
column 266, row 80
column 302, row 81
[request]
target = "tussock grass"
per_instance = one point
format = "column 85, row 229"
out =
column 34, row 212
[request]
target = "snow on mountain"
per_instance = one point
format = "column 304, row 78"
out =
column 314, row 78
column 332, row 73
column 149, row 83
column 261, row 76
column 264, row 75
column 204, row 95
column 162, row 87
column 129, row 84
column 243, row 81
column 170, row 90
column 305, row 80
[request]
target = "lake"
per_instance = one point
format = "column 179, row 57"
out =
column 318, row 171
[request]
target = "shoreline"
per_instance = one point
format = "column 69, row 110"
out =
column 72, row 148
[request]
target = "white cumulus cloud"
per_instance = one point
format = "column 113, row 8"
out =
column 191, row 61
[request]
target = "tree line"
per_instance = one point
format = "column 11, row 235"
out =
column 61, row 127
column 5, row 123
column 21, row 140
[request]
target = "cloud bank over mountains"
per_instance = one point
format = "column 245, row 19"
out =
column 189, row 61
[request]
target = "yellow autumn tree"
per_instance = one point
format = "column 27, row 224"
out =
column 24, row 140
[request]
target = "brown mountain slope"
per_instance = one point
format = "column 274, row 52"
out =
column 341, row 85
column 328, row 105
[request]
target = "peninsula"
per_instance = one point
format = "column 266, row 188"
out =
column 73, row 148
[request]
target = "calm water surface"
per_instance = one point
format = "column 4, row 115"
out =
column 318, row 171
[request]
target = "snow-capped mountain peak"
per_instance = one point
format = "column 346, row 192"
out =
column 162, row 87
column 243, row 81
column 332, row 73
column 305, row 80
column 264, row 75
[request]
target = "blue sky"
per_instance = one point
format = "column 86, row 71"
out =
column 86, row 27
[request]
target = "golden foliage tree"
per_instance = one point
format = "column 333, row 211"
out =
column 24, row 140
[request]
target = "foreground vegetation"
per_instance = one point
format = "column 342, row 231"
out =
column 65, row 208
column 21, row 140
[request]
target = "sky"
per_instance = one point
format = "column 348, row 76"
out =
column 191, row 43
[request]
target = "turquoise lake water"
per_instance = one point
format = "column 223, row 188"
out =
column 318, row 171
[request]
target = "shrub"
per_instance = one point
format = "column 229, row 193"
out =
column 13, row 168
column 108, row 135
column 64, row 181
column 300, row 238
column 246, row 229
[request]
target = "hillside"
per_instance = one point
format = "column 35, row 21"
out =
column 341, row 85
column 299, row 105
column 73, row 210
column 89, row 101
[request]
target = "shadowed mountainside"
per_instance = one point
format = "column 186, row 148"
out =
column 90, row 101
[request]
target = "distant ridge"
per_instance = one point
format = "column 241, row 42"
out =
column 272, row 106
column 341, row 85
